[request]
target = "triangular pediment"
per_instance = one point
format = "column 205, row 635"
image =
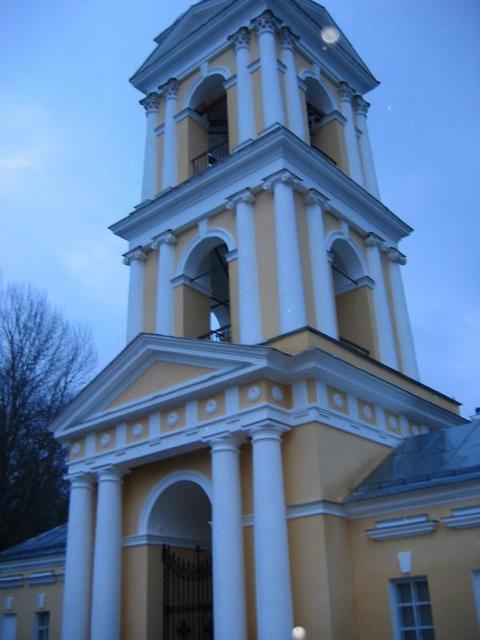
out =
column 154, row 370
column 158, row 377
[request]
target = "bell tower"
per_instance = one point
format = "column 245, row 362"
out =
column 260, row 215
column 270, row 365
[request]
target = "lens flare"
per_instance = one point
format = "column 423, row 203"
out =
column 298, row 633
column 330, row 35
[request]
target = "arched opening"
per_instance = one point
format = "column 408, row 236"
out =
column 180, row 521
column 204, row 302
column 210, row 142
column 324, row 131
column 353, row 298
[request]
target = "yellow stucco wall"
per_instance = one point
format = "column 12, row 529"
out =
column 356, row 318
column 159, row 376
column 266, row 261
column 25, row 603
column 150, row 292
column 324, row 463
column 446, row 557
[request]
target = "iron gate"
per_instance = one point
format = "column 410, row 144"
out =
column 187, row 596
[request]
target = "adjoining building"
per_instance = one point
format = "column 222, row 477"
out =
column 262, row 453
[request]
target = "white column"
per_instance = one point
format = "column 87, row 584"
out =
column 229, row 600
column 107, row 557
column 405, row 337
column 272, row 100
column 149, row 186
column 323, row 293
column 78, row 562
column 289, row 266
column 245, row 106
column 361, row 107
column 296, row 122
column 135, row 259
column 272, row 564
column 169, row 174
column 346, row 93
column 383, row 320
column 248, row 290
column 165, row 307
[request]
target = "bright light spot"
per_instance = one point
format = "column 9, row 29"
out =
column 298, row 633
column 389, row 108
column 330, row 35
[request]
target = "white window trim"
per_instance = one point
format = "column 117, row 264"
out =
column 394, row 602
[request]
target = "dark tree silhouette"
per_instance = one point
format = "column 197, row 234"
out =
column 44, row 361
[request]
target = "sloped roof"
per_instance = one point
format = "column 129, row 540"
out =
column 50, row 543
column 194, row 20
column 437, row 458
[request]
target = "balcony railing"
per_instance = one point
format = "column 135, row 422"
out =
column 222, row 334
column 202, row 162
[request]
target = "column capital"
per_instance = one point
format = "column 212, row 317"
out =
column 266, row 22
column 394, row 255
column 80, row 480
column 267, row 431
column 224, row 442
column 345, row 91
column 241, row 38
column 372, row 240
column 151, row 102
column 242, row 196
column 170, row 89
column 287, row 38
column 284, row 176
column 360, row 105
column 167, row 237
column 110, row 473
column 316, row 197
column 135, row 254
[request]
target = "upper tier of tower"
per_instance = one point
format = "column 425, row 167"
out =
column 260, row 215
column 224, row 73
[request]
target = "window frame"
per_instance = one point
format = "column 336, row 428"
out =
column 42, row 628
column 396, row 606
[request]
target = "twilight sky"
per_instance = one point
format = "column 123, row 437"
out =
column 71, row 148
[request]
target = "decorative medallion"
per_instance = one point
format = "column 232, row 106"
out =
column 137, row 429
column 254, row 393
column 338, row 400
column 172, row 418
column 105, row 439
column 277, row 394
column 75, row 449
column 211, row 407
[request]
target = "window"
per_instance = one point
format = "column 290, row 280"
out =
column 8, row 627
column 476, row 591
column 42, row 625
column 412, row 610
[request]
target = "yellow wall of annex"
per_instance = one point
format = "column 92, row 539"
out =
column 446, row 557
column 25, row 605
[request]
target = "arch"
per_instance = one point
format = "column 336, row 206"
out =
column 214, row 71
column 158, row 489
column 220, row 235
column 349, row 254
column 326, row 99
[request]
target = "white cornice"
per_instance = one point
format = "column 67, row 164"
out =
column 414, row 499
column 463, row 518
column 275, row 150
column 409, row 526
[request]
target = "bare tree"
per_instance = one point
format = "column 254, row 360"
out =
column 44, row 361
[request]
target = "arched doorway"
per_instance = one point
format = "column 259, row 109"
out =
column 209, row 101
column 205, row 295
column 180, row 517
column 324, row 132
column 353, row 298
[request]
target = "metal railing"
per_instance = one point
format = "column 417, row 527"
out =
column 205, row 160
column 222, row 334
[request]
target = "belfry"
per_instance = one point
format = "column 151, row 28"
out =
column 247, row 463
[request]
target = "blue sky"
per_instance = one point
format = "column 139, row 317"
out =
column 71, row 147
